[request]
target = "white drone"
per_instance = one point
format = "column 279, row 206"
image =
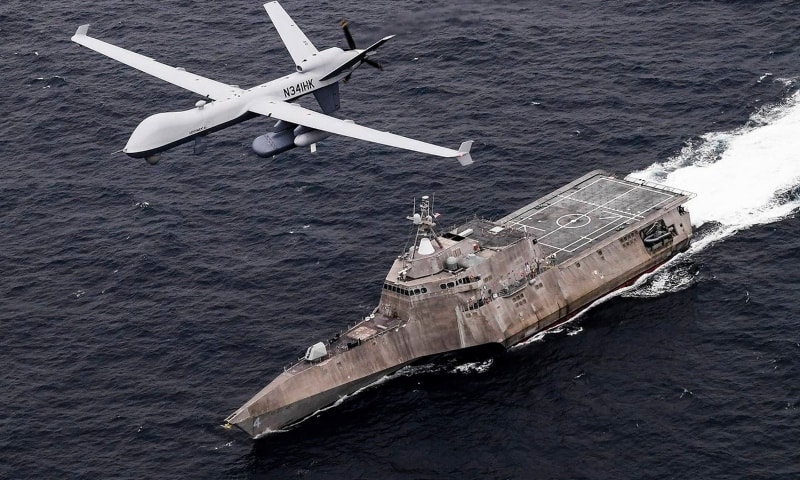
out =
column 318, row 72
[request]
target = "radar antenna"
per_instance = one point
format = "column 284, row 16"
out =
column 424, row 220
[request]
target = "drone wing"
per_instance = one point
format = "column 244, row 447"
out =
column 299, row 46
column 177, row 76
column 293, row 113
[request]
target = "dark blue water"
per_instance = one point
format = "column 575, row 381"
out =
column 143, row 304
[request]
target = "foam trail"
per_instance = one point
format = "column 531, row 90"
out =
column 741, row 177
column 744, row 177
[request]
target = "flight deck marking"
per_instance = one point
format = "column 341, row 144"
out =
column 582, row 190
column 610, row 218
column 631, row 189
column 614, row 215
column 597, row 207
column 525, row 226
column 605, row 205
column 573, row 220
column 587, row 239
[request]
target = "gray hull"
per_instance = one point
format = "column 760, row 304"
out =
column 486, row 282
column 272, row 420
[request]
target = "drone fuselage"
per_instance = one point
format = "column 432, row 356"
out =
column 163, row 131
column 223, row 105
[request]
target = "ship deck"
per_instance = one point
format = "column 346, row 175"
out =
column 589, row 211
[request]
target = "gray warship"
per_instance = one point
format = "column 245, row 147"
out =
column 485, row 282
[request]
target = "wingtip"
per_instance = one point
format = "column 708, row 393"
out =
column 464, row 158
column 81, row 32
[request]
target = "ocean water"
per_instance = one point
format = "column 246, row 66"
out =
column 143, row 304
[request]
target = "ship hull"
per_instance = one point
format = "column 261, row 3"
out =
column 488, row 283
column 259, row 422
column 578, row 307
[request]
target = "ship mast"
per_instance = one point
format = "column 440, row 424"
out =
column 425, row 232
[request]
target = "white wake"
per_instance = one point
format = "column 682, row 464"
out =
column 742, row 177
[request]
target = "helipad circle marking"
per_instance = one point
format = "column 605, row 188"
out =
column 573, row 220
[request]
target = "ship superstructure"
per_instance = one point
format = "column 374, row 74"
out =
column 485, row 282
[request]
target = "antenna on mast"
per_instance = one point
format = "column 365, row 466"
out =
column 426, row 235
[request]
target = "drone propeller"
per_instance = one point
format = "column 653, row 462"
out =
column 373, row 63
column 352, row 44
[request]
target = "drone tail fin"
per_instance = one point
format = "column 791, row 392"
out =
column 465, row 158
